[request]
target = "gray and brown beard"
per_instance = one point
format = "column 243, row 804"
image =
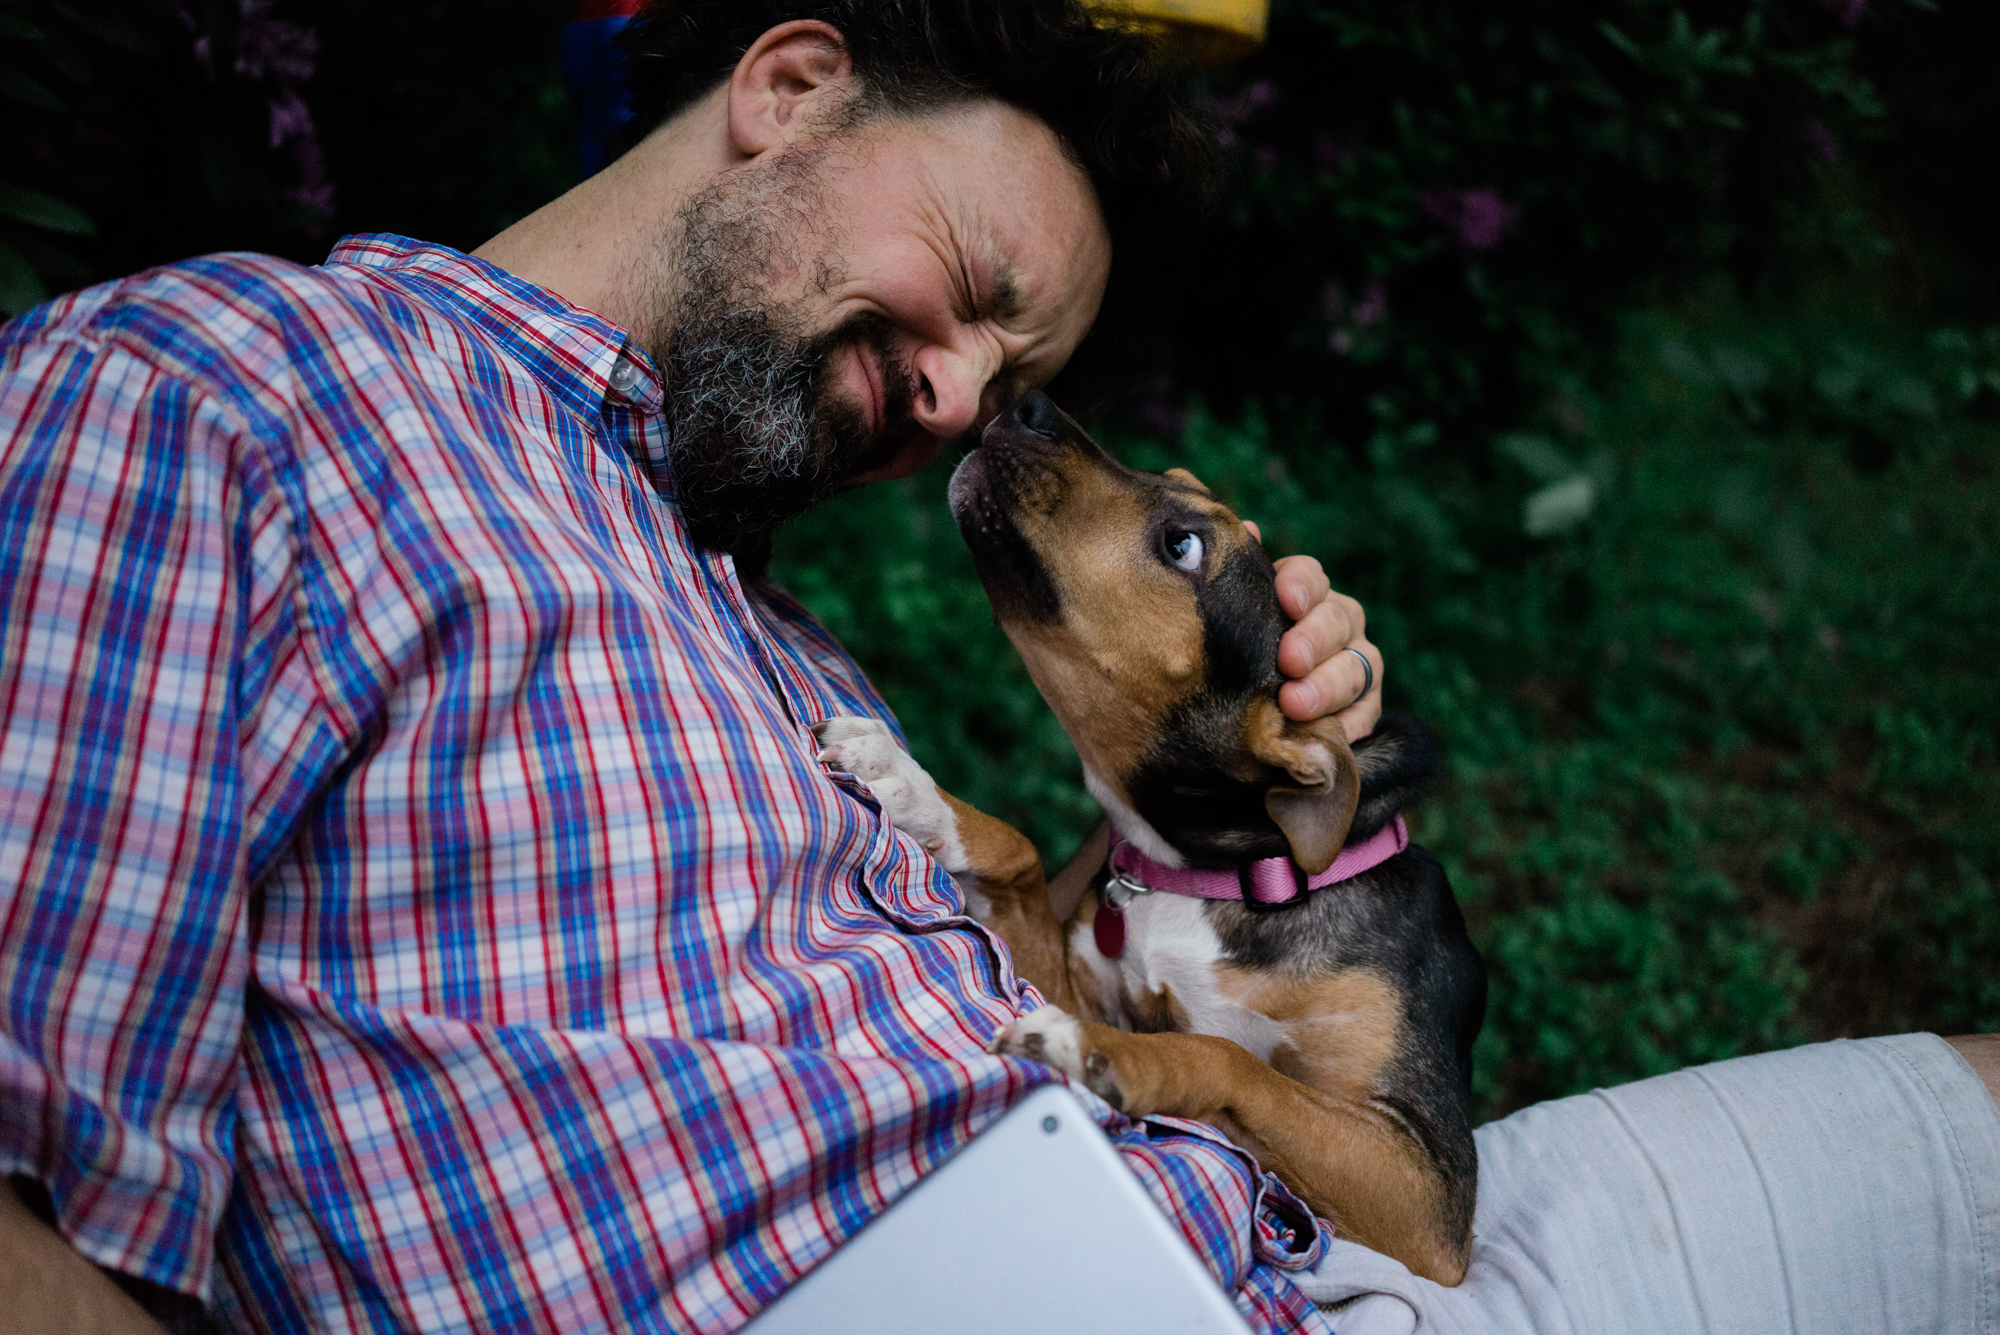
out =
column 757, row 434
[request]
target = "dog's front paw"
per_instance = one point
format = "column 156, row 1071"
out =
column 1055, row 1038
column 865, row 748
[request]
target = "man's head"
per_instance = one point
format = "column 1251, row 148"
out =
column 913, row 222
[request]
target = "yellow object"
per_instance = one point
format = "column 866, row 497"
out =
column 1207, row 32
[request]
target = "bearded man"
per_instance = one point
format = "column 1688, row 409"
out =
column 426, row 909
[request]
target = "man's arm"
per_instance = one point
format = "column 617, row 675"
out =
column 47, row 1286
column 124, row 944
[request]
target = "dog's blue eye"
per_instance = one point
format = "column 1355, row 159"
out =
column 1184, row 550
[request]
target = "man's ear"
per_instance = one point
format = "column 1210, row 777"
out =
column 1314, row 804
column 792, row 71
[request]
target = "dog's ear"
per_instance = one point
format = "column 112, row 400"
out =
column 1316, row 807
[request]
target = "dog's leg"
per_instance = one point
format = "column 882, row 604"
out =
column 993, row 864
column 1348, row 1158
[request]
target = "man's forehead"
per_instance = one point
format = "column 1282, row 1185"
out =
column 1010, row 157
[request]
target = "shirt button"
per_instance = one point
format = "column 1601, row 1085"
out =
column 624, row 376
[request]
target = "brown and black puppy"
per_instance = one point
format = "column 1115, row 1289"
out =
column 1331, row 1037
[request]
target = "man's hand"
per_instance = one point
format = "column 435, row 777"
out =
column 1326, row 678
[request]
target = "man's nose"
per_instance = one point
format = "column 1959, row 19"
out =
column 954, row 381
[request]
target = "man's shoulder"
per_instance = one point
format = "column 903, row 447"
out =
column 214, row 306
column 261, row 335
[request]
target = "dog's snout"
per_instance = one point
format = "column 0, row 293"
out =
column 1038, row 412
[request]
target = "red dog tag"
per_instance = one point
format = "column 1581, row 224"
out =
column 1108, row 928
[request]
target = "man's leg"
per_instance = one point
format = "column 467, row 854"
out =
column 1848, row 1186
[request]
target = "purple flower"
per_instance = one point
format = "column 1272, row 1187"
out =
column 271, row 48
column 289, row 118
column 1372, row 309
column 204, row 50
column 1479, row 217
column 278, row 57
column 314, row 191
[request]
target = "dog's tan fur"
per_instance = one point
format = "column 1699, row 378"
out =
column 1129, row 648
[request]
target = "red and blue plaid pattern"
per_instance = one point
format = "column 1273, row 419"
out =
column 423, row 905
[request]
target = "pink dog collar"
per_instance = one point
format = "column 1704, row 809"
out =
column 1265, row 881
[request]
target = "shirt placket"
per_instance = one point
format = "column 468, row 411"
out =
column 630, row 414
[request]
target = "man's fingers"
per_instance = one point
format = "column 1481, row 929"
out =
column 1359, row 719
column 1302, row 586
column 1327, row 679
column 1336, row 687
column 1331, row 624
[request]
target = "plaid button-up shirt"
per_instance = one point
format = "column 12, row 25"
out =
column 423, row 908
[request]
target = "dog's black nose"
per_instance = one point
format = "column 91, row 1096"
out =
column 1038, row 412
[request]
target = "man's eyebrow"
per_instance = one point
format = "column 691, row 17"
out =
column 1004, row 298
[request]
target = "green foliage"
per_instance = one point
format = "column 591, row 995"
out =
column 38, row 53
column 146, row 130
column 138, row 132
column 1437, row 202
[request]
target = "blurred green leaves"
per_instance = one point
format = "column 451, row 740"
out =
column 38, row 48
column 22, row 205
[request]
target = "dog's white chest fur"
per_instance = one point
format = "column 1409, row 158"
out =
column 1170, row 946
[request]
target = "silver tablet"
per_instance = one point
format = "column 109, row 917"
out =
column 1035, row 1228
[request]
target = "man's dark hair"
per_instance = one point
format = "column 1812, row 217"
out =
column 1123, row 112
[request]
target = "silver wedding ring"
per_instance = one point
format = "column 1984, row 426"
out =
column 1368, row 668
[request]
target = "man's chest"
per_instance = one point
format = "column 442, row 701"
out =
column 580, row 788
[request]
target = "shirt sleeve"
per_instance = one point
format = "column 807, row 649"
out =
column 135, row 566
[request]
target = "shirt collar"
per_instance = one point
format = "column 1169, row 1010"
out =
column 581, row 358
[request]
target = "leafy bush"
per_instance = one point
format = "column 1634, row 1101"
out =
column 138, row 132
column 1429, row 191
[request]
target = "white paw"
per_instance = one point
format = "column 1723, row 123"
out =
column 865, row 748
column 1050, row 1036
column 1055, row 1038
